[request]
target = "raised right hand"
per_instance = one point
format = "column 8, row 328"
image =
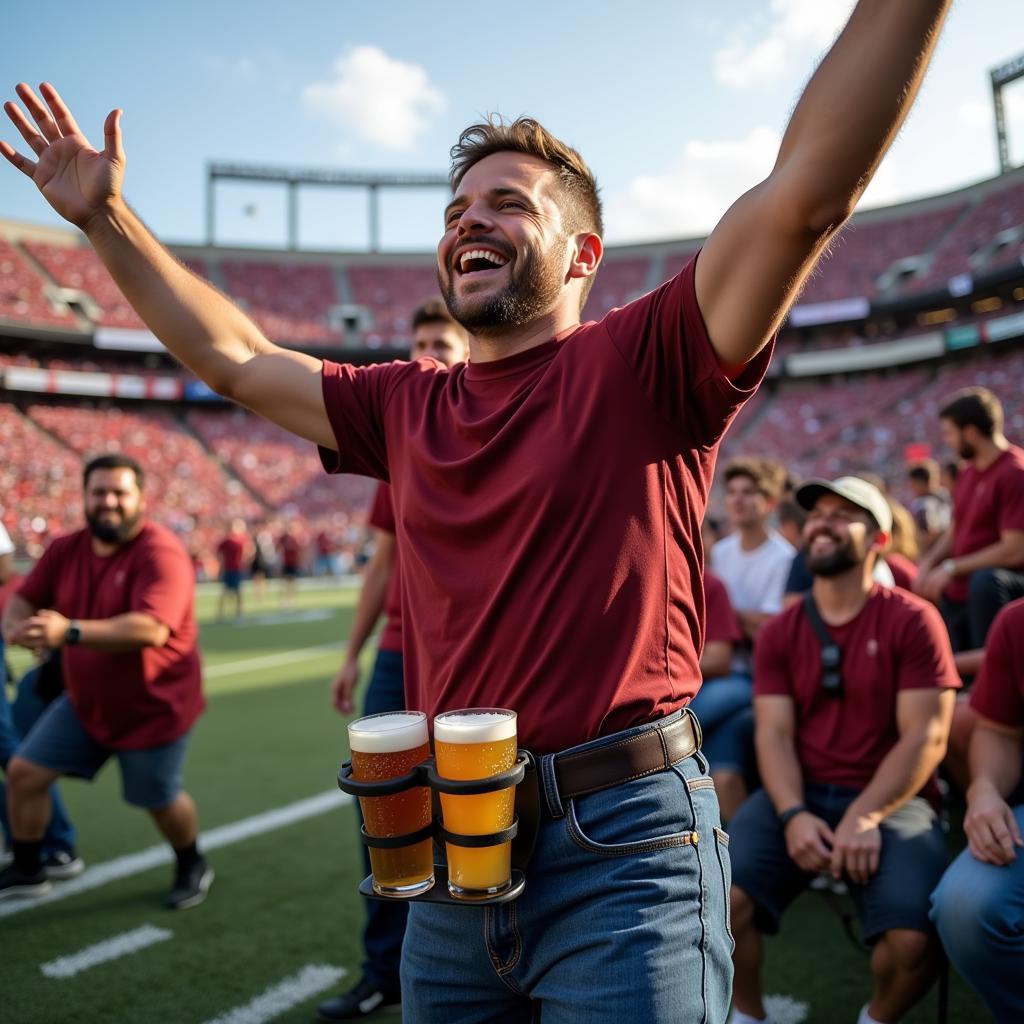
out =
column 76, row 180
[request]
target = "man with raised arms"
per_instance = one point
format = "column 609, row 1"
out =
column 548, row 499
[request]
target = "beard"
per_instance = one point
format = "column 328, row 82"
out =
column 114, row 530
column 842, row 558
column 535, row 282
column 966, row 451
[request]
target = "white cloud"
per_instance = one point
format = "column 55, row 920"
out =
column 762, row 51
column 377, row 98
column 975, row 114
column 691, row 196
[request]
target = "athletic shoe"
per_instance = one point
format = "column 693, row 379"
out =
column 62, row 865
column 190, row 885
column 16, row 883
column 360, row 1001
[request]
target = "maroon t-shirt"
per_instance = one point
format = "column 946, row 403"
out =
column 904, row 571
column 231, row 550
column 896, row 642
column 986, row 502
column 998, row 692
column 382, row 517
column 548, row 509
column 126, row 700
column 722, row 624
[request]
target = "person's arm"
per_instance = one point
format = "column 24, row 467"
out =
column 6, row 567
column 47, row 630
column 808, row 837
column 990, row 825
column 376, row 578
column 16, row 613
column 753, row 621
column 715, row 659
column 923, row 718
column 199, row 326
column 757, row 258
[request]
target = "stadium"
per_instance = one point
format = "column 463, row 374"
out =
column 913, row 302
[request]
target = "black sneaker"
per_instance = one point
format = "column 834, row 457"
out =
column 62, row 865
column 190, row 885
column 360, row 1001
column 16, row 883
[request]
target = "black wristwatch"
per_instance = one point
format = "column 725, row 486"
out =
column 72, row 634
column 790, row 813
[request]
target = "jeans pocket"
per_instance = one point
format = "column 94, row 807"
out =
column 642, row 816
column 725, row 866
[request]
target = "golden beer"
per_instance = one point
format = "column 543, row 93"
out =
column 475, row 744
column 388, row 746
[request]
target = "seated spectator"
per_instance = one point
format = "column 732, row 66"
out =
column 978, row 906
column 853, row 694
column 753, row 561
column 791, row 518
column 931, row 506
column 722, row 705
column 977, row 566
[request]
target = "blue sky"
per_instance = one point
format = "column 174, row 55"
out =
column 678, row 108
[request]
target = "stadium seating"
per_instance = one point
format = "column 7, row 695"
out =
column 290, row 302
column 390, row 293
column 22, row 298
column 618, row 282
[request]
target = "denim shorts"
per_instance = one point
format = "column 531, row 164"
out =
column 912, row 860
column 150, row 778
column 625, row 916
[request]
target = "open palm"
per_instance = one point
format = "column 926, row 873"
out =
column 76, row 180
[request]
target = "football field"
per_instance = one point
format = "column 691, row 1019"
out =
column 281, row 927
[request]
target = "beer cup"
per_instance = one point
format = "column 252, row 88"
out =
column 475, row 744
column 387, row 746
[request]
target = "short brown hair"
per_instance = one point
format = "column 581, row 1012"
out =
column 527, row 135
column 768, row 476
column 974, row 407
column 926, row 471
column 434, row 311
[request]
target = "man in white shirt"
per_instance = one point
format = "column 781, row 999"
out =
column 753, row 561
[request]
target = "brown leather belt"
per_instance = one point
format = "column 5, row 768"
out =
column 646, row 753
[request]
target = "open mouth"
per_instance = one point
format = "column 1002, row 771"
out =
column 472, row 262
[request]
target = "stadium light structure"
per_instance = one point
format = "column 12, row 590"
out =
column 294, row 178
column 1001, row 77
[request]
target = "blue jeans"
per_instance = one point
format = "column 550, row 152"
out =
column 15, row 721
column 385, row 921
column 978, row 909
column 624, row 918
column 721, row 707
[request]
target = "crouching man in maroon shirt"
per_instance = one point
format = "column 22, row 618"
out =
column 117, row 599
column 853, row 695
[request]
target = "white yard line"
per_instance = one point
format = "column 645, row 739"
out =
column 154, row 856
column 313, row 978
column 105, row 951
column 231, row 667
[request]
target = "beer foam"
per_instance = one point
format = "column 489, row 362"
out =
column 388, row 733
column 475, row 727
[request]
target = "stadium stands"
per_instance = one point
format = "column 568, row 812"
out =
column 390, row 293
column 22, row 297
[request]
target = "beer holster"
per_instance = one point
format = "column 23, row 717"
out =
column 522, row 832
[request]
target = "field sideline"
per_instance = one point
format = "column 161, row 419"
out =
column 281, row 926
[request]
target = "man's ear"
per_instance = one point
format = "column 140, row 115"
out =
column 587, row 254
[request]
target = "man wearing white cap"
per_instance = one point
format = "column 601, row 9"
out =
column 853, row 696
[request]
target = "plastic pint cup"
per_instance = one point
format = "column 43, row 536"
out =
column 475, row 744
column 388, row 746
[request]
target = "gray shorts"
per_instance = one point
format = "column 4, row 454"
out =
column 912, row 861
column 150, row 778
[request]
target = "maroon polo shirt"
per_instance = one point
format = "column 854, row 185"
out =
column 126, row 700
column 382, row 517
column 896, row 642
column 548, row 509
column 998, row 692
column 986, row 502
column 231, row 549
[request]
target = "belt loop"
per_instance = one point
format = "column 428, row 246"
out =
column 550, row 783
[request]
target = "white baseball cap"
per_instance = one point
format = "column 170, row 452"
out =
column 852, row 489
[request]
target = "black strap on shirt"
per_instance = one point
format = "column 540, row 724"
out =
column 831, row 652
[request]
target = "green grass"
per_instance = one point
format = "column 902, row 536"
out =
column 287, row 898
